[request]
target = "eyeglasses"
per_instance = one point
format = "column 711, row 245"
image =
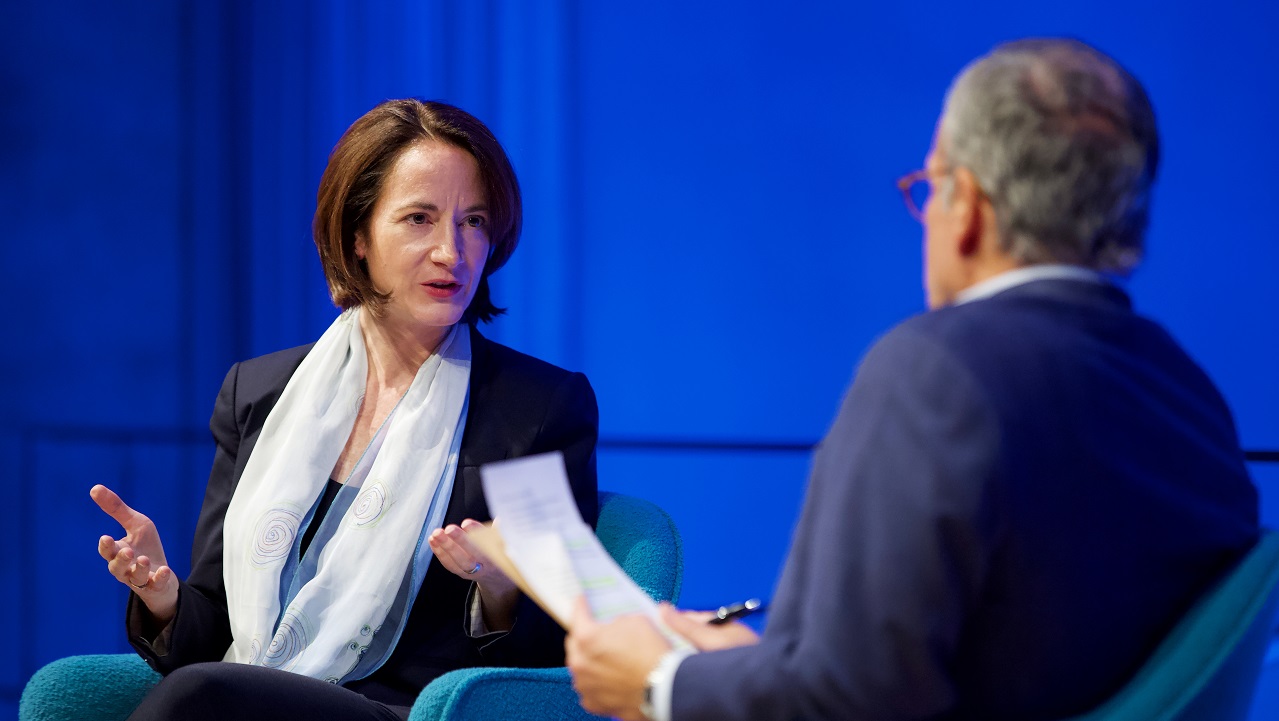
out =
column 916, row 188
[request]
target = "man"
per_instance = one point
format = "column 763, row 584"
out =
column 1024, row 488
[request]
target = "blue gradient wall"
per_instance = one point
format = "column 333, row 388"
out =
column 713, row 234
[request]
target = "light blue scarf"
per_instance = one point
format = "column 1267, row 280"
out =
column 336, row 613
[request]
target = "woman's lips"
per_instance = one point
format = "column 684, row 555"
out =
column 443, row 288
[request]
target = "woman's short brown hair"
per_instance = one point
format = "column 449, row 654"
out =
column 352, row 182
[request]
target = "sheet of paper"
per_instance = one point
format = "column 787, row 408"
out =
column 491, row 544
column 545, row 564
column 609, row 591
column 555, row 552
column 529, row 495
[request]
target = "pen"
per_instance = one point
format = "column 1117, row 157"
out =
column 737, row 610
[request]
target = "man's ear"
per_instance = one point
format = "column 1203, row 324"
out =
column 966, row 202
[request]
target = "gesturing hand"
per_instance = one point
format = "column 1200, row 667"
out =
column 137, row 559
column 456, row 552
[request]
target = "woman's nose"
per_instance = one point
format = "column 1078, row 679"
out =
column 446, row 252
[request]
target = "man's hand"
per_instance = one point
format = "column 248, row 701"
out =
column 693, row 626
column 610, row 662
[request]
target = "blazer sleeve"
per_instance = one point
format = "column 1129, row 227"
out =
column 201, row 630
column 571, row 425
column 890, row 553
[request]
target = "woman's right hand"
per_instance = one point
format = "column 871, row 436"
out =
column 137, row 560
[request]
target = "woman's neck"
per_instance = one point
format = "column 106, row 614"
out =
column 396, row 352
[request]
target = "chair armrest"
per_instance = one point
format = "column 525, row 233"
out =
column 498, row 694
column 103, row 687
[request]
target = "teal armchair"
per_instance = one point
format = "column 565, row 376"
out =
column 639, row 535
column 1206, row 668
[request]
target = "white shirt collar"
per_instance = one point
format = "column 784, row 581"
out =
column 1021, row 276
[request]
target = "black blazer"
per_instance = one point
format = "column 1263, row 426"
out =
column 519, row 405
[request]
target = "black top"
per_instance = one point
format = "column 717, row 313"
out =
column 330, row 492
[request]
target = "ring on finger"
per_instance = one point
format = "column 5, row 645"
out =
column 131, row 583
column 475, row 570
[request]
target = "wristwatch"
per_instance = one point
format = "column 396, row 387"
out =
column 646, row 705
column 663, row 672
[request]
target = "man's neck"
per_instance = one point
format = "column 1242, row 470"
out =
column 995, row 283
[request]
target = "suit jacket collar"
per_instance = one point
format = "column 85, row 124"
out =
column 1075, row 292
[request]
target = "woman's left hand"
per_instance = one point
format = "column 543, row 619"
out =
column 498, row 593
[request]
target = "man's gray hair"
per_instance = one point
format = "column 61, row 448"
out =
column 1063, row 142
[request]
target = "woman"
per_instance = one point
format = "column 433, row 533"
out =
column 331, row 559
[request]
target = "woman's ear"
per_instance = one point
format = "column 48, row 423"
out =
column 361, row 245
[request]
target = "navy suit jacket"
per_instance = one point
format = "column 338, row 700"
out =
column 519, row 405
column 1018, row 498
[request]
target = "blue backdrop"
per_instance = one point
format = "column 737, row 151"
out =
column 713, row 235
